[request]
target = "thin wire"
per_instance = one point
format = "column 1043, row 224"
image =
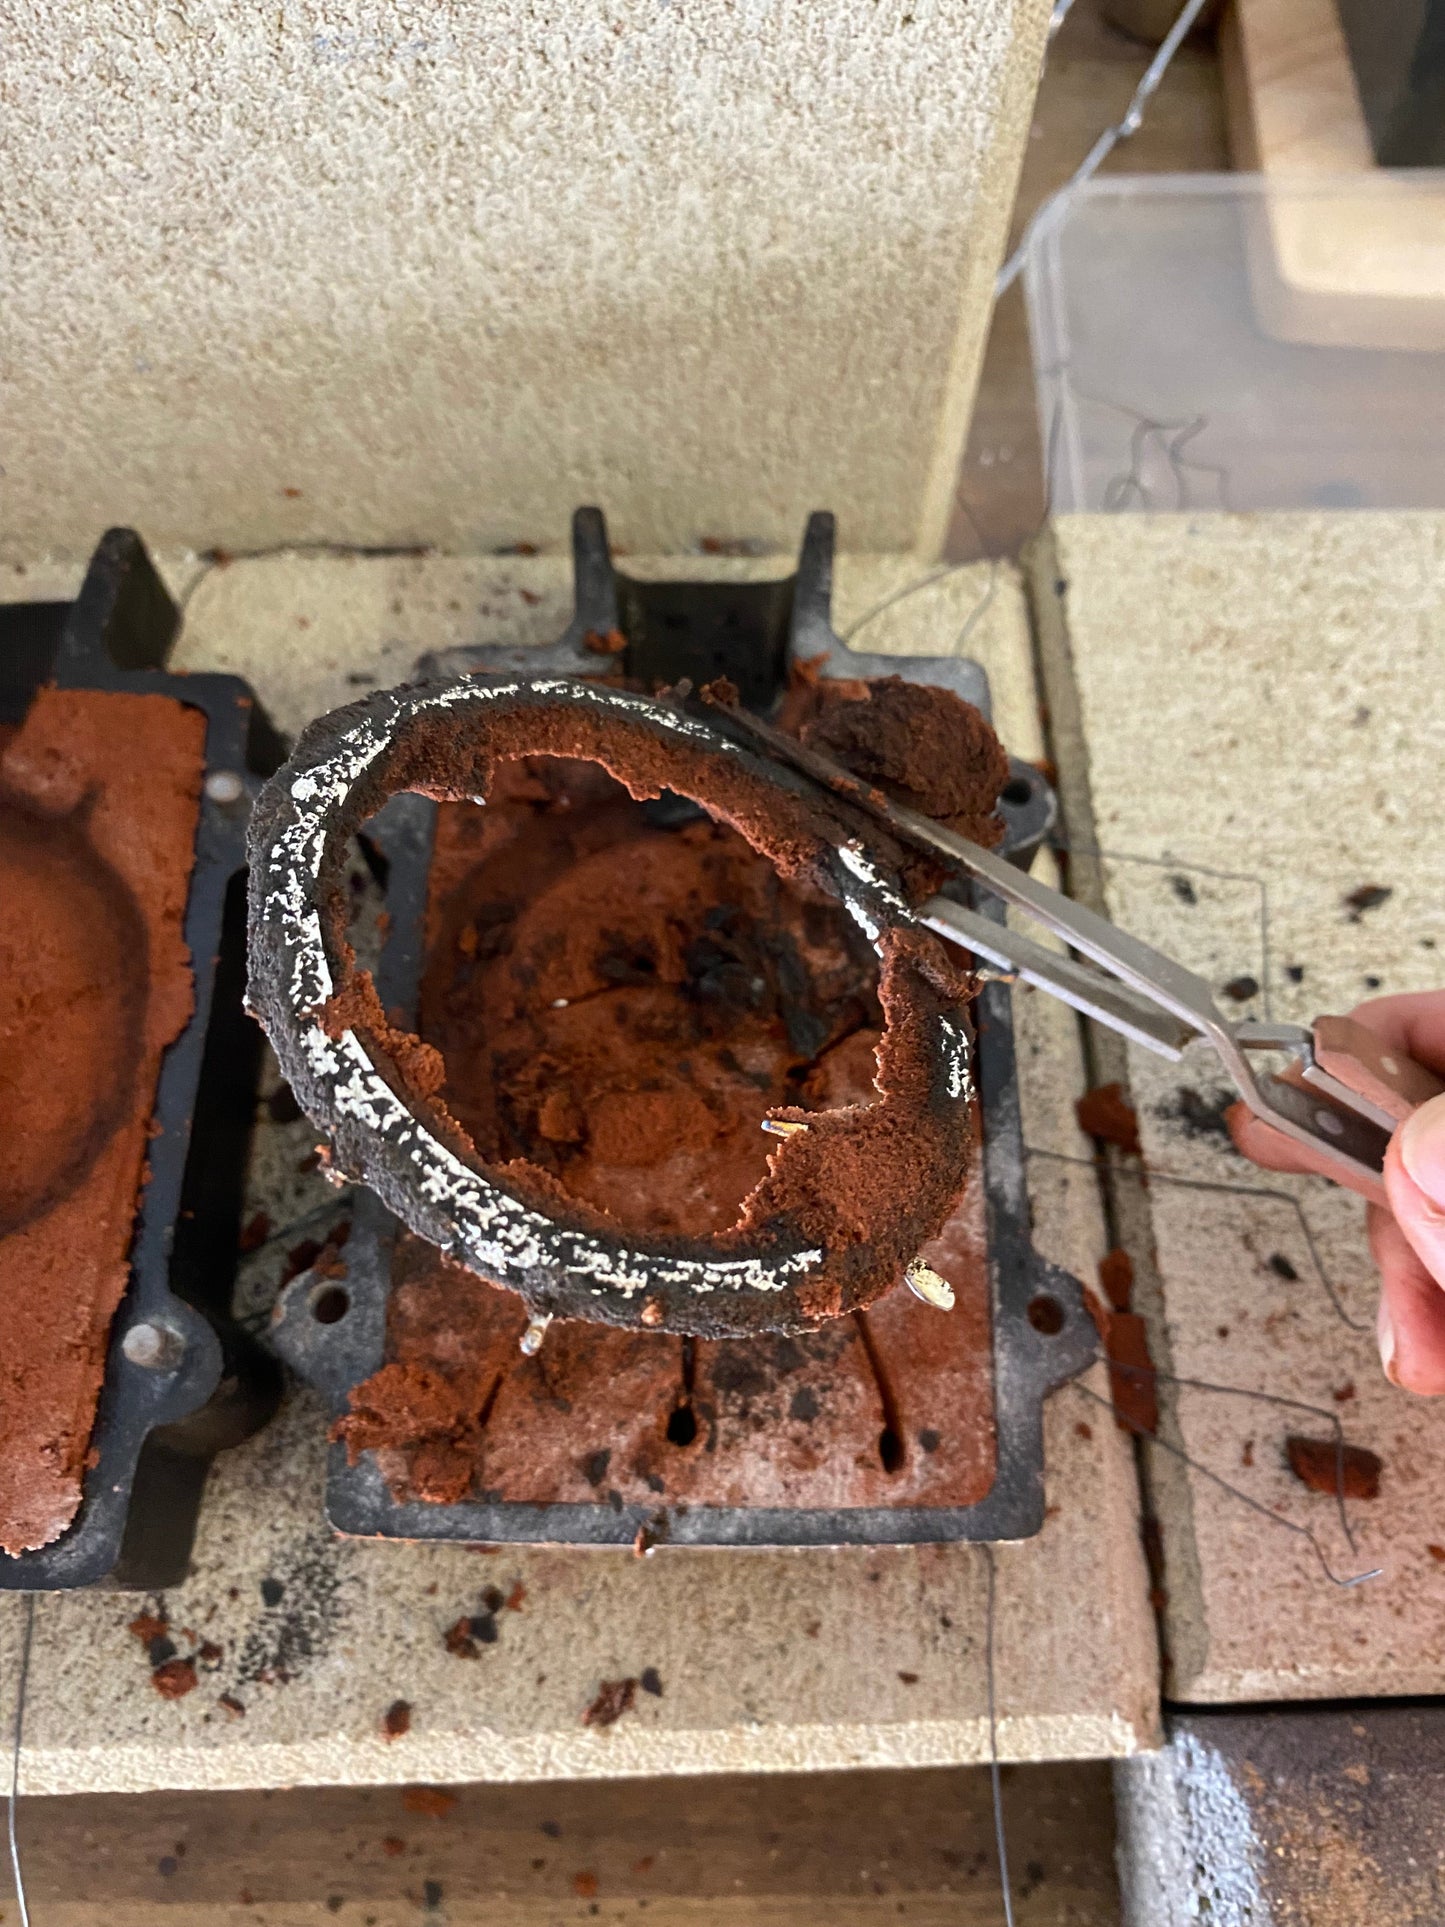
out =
column 1148, row 1174
column 1267, row 1512
column 1156, row 1373
column 222, row 559
column 1049, row 213
column 1061, row 12
column 927, row 582
column 995, row 1777
column 1064, row 846
column 19, row 1878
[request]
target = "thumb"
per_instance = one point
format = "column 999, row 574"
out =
column 1415, row 1184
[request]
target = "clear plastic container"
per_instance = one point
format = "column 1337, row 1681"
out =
column 1223, row 341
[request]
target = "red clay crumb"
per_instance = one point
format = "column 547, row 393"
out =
column 1324, row 1467
column 1345, row 1393
column 1246, row 1457
column 1437, row 1553
column 209, row 1653
column 291, row 494
column 459, row 1639
column 614, row 1698
column 174, row 1679
column 1106, row 1114
column 255, row 1232
column 246, row 1897
column 1132, row 1381
column 232, row 1705
column 428, row 1799
column 1083, row 1430
column 608, row 642
column 1116, row 1275
column 813, row 1628
column 516, row 1597
column 909, row 1679
column 585, row 1885
column 148, row 1626
column 393, row 1847
column 644, row 1865
column 397, row 1719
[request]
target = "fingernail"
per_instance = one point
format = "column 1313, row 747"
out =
column 1385, row 1333
column 1422, row 1148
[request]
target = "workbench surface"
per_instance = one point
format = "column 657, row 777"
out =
column 760, row 1660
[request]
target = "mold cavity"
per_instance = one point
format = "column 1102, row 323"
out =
column 1018, row 791
column 622, row 992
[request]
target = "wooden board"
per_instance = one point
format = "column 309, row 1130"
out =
column 848, row 1849
column 1364, row 264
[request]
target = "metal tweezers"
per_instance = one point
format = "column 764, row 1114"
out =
column 1340, row 1099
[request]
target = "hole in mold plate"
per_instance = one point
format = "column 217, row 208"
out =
column 682, row 1426
column 1046, row 1315
column 330, row 1304
column 1018, row 791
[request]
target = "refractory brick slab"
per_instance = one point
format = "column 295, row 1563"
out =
column 434, row 272
column 1250, row 711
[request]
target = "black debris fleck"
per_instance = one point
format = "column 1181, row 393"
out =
column 167, row 1865
column 929, row 1440
column 1201, row 1114
column 594, row 1466
column 1372, row 982
column 650, row 1680
column 431, row 1894
column 805, row 1404
column 1281, row 1266
column 1295, row 973
column 552, row 1829
column 1369, row 896
column 1183, row 889
column 280, row 1643
column 1241, row 989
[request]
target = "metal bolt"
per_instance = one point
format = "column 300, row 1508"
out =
column 154, row 1347
column 225, row 786
column 531, row 1340
column 782, row 1126
column 924, row 1282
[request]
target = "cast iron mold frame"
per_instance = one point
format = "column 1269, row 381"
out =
column 159, row 1425
column 1042, row 1333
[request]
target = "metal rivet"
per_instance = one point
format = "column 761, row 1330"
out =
column 225, row 786
column 1389, row 1067
column 154, row 1347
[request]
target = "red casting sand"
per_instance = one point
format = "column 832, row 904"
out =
column 98, row 804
